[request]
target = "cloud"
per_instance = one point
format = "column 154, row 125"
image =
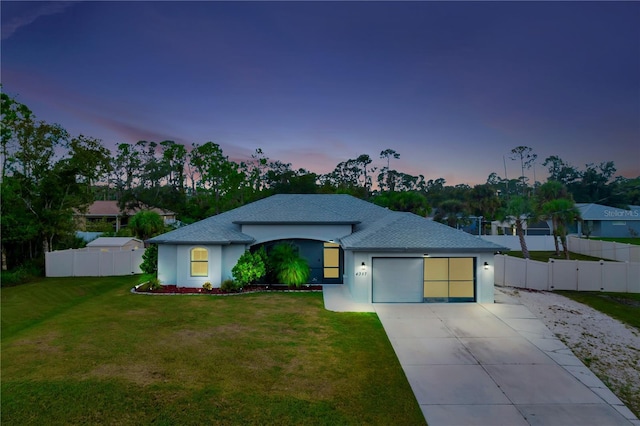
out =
column 23, row 14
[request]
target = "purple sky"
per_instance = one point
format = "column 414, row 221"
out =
column 451, row 86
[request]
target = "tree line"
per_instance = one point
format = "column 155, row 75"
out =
column 48, row 176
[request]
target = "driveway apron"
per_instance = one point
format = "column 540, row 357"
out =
column 494, row 364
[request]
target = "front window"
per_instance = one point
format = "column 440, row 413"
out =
column 199, row 262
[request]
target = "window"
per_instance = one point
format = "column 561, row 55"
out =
column 199, row 262
column 331, row 260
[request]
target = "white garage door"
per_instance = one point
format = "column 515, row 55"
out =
column 397, row 279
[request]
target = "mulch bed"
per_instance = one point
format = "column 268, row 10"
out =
column 173, row 289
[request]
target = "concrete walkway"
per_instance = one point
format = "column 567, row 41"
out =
column 490, row 364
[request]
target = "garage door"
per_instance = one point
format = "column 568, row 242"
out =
column 449, row 279
column 397, row 280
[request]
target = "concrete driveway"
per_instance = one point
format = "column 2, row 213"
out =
column 490, row 364
column 494, row 364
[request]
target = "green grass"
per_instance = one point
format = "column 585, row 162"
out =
column 635, row 241
column 624, row 307
column 87, row 351
column 544, row 256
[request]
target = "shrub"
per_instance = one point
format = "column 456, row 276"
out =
column 207, row 286
column 22, row 274
column 250, row 267
column 149, row 263
column 294, row 272
column 286, row 265
column 229, row 285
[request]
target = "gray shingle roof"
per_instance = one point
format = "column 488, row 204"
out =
column 408, row 232
column 375, row 227
column 592, row 211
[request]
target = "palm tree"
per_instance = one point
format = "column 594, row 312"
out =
column 562, row 212
column 518, row 209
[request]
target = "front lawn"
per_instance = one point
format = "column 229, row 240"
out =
column 87, row 351
column 622, row 240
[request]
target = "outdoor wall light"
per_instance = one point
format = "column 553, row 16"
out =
column 486, row 265
column 363, row 266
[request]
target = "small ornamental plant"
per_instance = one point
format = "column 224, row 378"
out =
column 155, row 284
column 207, row 286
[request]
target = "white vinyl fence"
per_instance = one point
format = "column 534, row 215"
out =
column 604, row 249
column 621, row 277
column 92, row 263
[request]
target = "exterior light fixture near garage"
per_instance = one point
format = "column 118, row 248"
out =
column 486, row 265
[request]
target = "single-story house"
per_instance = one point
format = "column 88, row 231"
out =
column 115, row 244
column 379, row 254
column 109, row 211
column 604, row 221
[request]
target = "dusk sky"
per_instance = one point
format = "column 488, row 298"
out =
column 451, row 86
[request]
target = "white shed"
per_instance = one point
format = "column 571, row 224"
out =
column 115, row 244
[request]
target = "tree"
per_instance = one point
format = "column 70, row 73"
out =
column 519, row 210
column 483, row 202
column 126, row 174
column 562, row 212
column 47, row 177
column 561, row 171
column 362, row 163
column 146, row 224
column 555, row 204
column 219, row 177
column 386, row 174
column 406, row 201
column 527, row 158
column 451, row 212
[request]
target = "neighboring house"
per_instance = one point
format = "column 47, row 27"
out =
column 115, row 244
column 605, row 221
column 109, row 211
column 379, row 254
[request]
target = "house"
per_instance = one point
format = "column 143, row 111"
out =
column 378, row 254
column 605, row 221
column 109, row 211
column 115, row 244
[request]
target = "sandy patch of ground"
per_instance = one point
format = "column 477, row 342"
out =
column 608, row 347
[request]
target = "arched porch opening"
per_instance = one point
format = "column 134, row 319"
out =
column 325, row 259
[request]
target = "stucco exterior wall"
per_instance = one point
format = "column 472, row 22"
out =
column 174, row 264
column 167, row 264
column 183, row 267
column 230, row 256
column 263, row 233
